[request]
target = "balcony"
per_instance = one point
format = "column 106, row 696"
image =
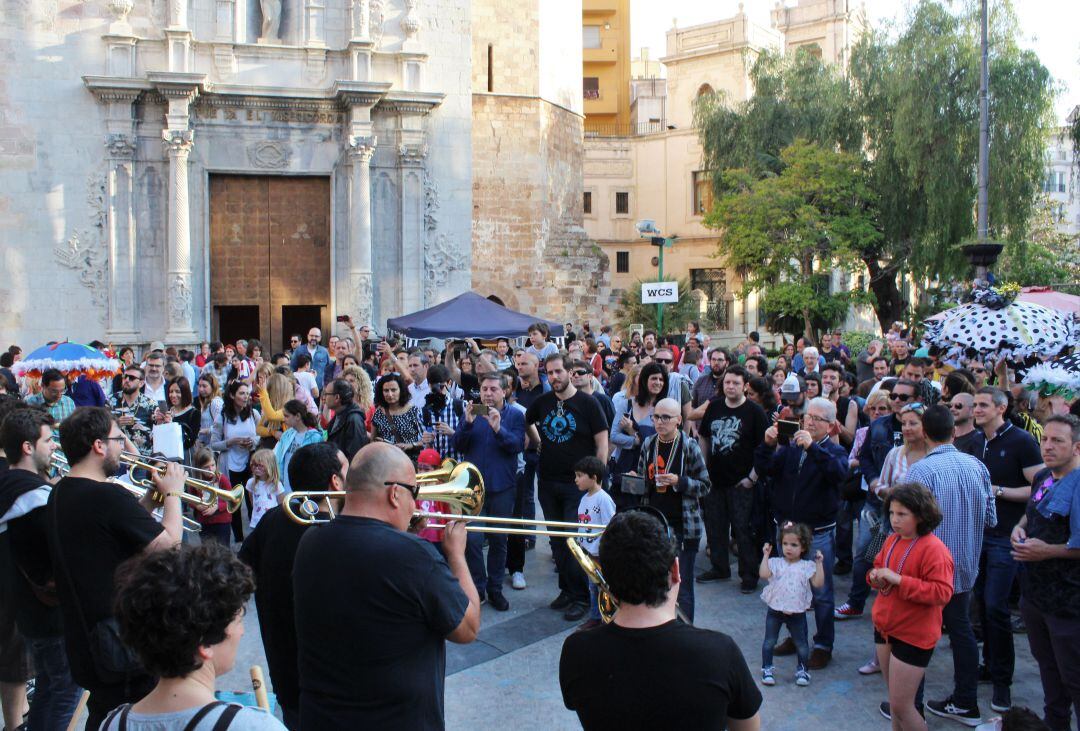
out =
column 607, row 53
column 600, row 102
column 599, row 7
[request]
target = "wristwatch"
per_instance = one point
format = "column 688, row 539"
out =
column 998, row 491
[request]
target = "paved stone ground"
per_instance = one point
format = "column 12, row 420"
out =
column 510, row 675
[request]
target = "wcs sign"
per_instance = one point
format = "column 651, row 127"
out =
column 659, row 292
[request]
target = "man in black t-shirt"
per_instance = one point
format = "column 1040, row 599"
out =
column 569, row 425
column 529, row 388
column 647, row 670
column 372, row 638
column 270, row 550
column 94, row 526
column 731, row 429
column 1012, row 458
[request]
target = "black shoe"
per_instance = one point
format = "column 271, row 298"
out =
column 1002, row 700
column 748, row 587
column 948, row 709
column 712, row 575
column 562, row 601
column 885, row 710
column 575, row 611
column 498, row 601
column 841, row 569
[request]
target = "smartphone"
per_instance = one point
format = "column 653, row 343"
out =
column 479, row 409
column 786, row 430
column 342, row 318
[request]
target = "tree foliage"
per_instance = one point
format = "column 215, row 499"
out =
column 632, row 312
column 786, row 232
column 910, row 106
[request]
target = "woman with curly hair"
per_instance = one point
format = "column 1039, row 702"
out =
column 395, row 419
column 182, row 612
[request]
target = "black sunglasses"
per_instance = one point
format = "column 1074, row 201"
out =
column 132, row 378
column 580, row 373
column 413, row 489
column 901, row 396
column 663, row 361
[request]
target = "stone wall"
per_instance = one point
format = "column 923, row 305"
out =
column 529, row 247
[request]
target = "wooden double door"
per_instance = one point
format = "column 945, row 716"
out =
column 269, row 257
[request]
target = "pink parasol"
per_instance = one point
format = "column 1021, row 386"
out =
column 1051, row 298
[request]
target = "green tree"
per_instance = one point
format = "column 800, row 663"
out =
column 632, row 312
column 1045, row 257
column 786, row 232
column 917, row 97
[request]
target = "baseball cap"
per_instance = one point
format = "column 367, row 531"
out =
column 156, row 345
column 792, row 387
column 429, row 457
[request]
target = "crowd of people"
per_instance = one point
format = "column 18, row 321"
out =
column 945, row 488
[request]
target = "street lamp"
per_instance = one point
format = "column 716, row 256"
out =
column 983, row 254
column 647, row 229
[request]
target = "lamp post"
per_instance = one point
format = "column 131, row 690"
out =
column 983, row 253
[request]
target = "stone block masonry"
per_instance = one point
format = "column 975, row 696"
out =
column 529, row 246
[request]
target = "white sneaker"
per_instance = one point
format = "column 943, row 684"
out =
column 517, row 580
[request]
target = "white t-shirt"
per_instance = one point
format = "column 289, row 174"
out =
column 788, row 589
column 264, row 497
column 595, row 509
column 307, row 380
column 548, row 349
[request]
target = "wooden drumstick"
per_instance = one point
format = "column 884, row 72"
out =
column 259, row 684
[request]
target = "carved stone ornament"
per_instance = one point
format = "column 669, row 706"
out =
column 431, row 202
column 180, row 300
column 378, row 17
column 120, row 145
column 120, row 9
column 413, row 154
column 441, row 256
column 410, row 26
column 361, row 148
column 361, row 296
column 85, row 249
column 177, row 141
column 269, row 154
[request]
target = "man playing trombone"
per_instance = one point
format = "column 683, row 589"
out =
column 94, row 526
column 375, row 603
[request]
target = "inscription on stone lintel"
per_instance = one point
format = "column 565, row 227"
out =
column 267, row 116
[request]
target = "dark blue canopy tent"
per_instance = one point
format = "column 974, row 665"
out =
column 468, row 316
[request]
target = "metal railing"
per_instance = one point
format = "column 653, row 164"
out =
column 623, row 130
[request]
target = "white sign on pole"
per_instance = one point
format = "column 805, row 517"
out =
column 657, row 292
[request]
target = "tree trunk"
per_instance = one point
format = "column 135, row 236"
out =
column 889, row 306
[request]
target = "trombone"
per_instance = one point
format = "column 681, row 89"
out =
column 60, row 464
column 208, row 491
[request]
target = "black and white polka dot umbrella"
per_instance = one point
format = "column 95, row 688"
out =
column 1015, row 332
column 1056, row 377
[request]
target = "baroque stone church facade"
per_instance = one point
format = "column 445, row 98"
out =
column 187, row 169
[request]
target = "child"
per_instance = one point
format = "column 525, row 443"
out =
column 913, row 574
column 596, row 508
column 265, row 485
column 215, row 519
column 539, row 345
column 427, row 461
column 788, row 595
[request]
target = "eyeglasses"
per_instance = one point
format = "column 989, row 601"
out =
column 978, row 370
column 815, row 417
column 664, row 417
column 580, row 373
column 955, row 405
column 113, row 439
column 664, row 361
column 414, row 490
column 901, row 396
column 132, row 378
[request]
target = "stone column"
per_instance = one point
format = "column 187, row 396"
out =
column 120, row 237
column 360, row 152
column 178, row 145
column 360, row 20
column 411, row 158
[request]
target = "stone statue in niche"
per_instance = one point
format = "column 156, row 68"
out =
column 271, row 20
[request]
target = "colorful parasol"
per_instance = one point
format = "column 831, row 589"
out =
column 1059, row 377
column 1014, row 330
column 71, row 359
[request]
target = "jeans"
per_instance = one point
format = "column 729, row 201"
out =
column 860, row 590
column 240, row 478
column 216, row 532
column 687, row 556
column 55, row 693
column 490, row 580
column 594, row 602
column 716, row 511
column 996, row 575
column 559, row 501
column 965, row 652
column 1055, row 644
column 796, row 624
column 824, row 599
column 849, row 513
column 524, row 507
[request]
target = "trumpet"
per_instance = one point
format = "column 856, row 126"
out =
column 208, row 491
column 59, row 462
column 605, row 602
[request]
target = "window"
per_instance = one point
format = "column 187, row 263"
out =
column 713, row 284
column 590, row 36
column 1055, row 182
column 586, row 204
column 622, row 203
column 704, row 90
column 591, row 87
column 703, row 193
column 622, row 262
column 491, row 68
column 1060, row 182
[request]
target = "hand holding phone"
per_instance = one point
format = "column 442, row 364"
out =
column 785, row 430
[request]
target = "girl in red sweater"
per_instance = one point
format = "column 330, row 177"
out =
column 913, row 574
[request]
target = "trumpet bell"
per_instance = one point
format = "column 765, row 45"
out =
column 459, row 484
